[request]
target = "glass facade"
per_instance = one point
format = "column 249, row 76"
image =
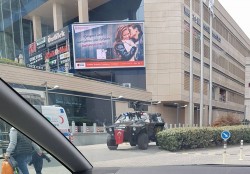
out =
column 121, row 10
column 15, row 31
column 83, row 108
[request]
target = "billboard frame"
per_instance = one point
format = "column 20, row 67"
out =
column 108, row 23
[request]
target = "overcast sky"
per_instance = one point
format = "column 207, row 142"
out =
column 240, row 12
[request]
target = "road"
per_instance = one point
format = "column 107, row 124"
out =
column 127, row 156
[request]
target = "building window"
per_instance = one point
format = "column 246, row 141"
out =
column 213, row 92
column 222, row 95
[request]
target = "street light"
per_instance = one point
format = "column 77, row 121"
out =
column 45, row 84
column 111, row 103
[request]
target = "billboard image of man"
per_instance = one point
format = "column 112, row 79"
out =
column 136, row 35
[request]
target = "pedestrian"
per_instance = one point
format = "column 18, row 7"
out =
column 21, row 148
column 37, row 161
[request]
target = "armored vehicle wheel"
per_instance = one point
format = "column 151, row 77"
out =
column 143, row 141
column 157, row 143
column 111, row 143
column 132, row 144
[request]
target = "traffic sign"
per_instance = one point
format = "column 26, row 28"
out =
column 225, row 135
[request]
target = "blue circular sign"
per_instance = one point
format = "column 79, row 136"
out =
column 225, row 135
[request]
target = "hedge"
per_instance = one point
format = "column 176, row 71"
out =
column 10, row 62
column 191, row 138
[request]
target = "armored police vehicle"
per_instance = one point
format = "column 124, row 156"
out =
column 137, row 128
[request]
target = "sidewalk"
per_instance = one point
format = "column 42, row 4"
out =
column 231, row 150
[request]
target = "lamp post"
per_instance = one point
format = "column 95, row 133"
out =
column 111, row 103
column 45, row 84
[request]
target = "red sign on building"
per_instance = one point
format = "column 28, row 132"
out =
column 32, row 48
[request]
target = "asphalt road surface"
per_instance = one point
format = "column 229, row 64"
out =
column 127, row 156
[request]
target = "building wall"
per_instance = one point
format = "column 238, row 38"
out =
column 228, row 59
column 163, row 48
column 167, row 53
column 169, row 114
column 247, row 89
column 122, row 107
column 22, row 75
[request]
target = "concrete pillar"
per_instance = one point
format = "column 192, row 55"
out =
column 188, row 120
column 37, row 27
column 247, row 91
column 217, row 93
column 205, row 118
column 83, row 11
column 57, row 16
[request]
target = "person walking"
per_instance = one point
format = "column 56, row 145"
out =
column 21, row 148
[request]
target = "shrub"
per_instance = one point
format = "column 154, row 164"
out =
column 10, row 62
column 226, row 121
column 191, row 138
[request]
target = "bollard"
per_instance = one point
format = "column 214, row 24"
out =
column 174, row 125
column 179, row 125
column 183, row 125
column 241, row 150
column 166, row 125
column 104, row 128
column 170, row 126
column 73, row 127
column 224, row 153
column 94, row 125
column 84, row 128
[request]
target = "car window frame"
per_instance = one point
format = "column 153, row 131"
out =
column 31, row 122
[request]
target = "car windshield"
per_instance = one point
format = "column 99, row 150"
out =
column 131, row 82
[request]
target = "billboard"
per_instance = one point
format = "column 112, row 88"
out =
column 57, row 37
column 108, row 45
column 54, row 48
